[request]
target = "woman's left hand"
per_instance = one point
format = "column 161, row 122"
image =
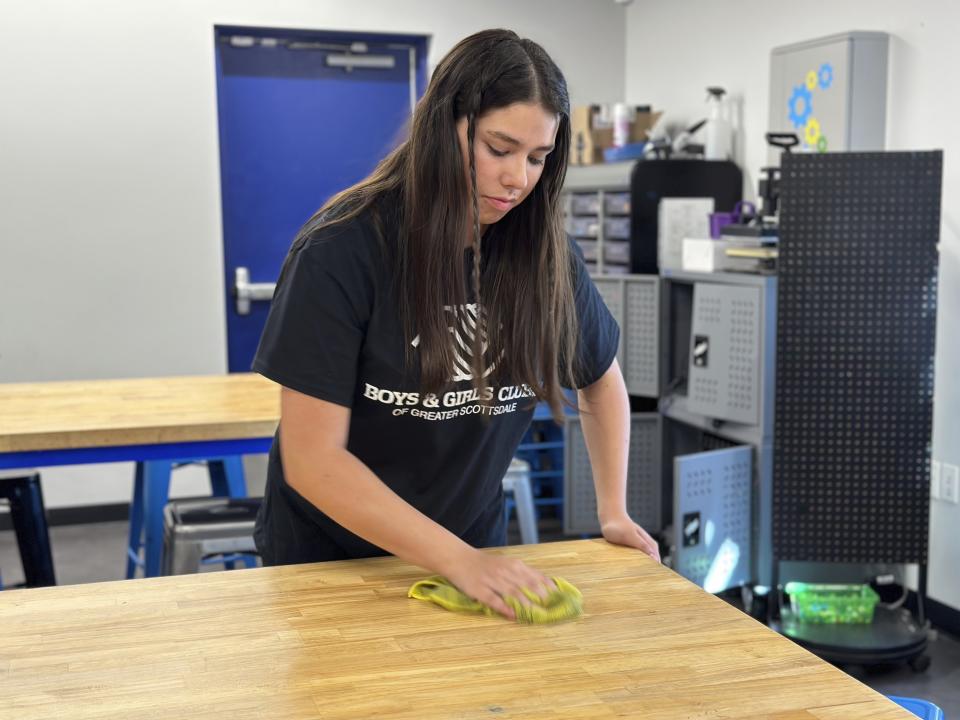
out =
column 624, row 531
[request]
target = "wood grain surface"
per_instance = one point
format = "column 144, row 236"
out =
column 342, row 640
column 99, row 413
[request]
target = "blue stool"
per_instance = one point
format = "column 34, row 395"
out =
column 921, row 708
column 151, row 491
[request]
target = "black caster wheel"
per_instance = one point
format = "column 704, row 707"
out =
column 920, row 663
column 755, row 604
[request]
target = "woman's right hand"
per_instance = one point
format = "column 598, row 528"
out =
column 491, row 578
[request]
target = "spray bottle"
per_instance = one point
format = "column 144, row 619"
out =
column 719, row 132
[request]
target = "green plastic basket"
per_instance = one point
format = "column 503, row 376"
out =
column 832, row 603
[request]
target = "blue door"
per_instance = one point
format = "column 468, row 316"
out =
column 302, row 115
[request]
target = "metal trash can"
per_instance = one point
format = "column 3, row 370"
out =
column 197, row 529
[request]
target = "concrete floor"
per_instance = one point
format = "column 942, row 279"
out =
column 96, row 553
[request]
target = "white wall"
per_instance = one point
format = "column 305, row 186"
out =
column 110, row 236
column 676, row 49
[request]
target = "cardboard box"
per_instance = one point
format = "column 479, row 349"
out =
column 591, row 132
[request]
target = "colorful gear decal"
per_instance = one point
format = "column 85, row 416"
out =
column 812, row 80
column 825, row 76
column 799, row 106
column 822, row 144
column 812, row 131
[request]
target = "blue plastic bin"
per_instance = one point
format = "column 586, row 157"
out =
column 630, row 151
column 921, row 708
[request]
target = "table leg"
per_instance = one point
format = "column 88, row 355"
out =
column 226, row 477
column 156, row 492
column 135, row 531
column 151, row 491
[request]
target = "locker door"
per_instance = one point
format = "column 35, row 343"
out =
column 712, row 517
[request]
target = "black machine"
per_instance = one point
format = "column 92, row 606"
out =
column 764, row 223
column 653, row 180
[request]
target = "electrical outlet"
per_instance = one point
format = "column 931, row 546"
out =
column 950, row 483
column 935, row 479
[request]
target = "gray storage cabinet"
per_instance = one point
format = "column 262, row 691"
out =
column 718, row 367
column 644, row 477
column 634, row 302
column 596, row 203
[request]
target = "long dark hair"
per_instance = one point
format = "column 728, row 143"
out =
column 522, row 271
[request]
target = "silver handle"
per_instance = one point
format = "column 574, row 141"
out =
column 247, row 291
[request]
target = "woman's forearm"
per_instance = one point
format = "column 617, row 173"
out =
column 605, row 419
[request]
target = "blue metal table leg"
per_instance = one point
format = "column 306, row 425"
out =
column 226, row 477
column 151, row 491
column 135, row 537
column 156, row 492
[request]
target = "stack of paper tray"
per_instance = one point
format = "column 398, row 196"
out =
column 746, row 254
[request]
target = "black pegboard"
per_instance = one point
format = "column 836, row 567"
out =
column 856, row 327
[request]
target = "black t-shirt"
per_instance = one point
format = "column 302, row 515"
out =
column 333, row 332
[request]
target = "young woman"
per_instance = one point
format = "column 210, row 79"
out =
column 419, row 317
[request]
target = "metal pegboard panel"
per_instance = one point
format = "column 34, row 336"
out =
column 712, row 515
column 644, row 477
column 855, row 345
column 725, row 352
column 611, row 290
column 642, row 332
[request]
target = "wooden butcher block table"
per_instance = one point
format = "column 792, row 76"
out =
column 342, row 640
column 94, row 420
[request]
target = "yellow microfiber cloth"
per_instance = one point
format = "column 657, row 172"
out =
column 564, row 603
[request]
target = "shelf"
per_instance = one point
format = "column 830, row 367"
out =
column 536, row 447
column 675, row 408
column 606, row 176
column 722, row 278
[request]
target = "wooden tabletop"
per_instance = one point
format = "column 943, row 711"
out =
column 99, row 413
column 342, row 640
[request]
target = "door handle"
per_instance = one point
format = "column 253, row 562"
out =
column 246, row 291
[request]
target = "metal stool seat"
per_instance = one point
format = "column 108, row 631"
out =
column 195, row 530
column 517, row 483
column 151, row 490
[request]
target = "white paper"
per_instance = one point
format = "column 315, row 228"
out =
column 680, row 218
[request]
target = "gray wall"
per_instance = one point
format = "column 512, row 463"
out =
column 110, row 236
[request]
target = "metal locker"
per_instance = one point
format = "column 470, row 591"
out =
column 611, row 290
column 634, row 302
column 712, row 517
column 725, row 352
column 644, row 477
column 641, row 332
